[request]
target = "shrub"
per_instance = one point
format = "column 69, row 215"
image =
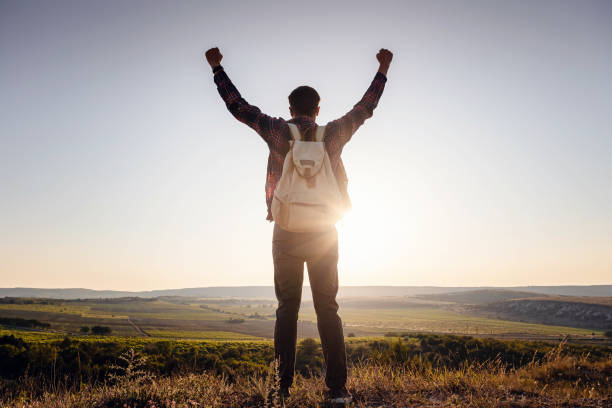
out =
column 101, row 330
column 131, row 367
column 18, row 322
column 309, row 357
column 84, row 329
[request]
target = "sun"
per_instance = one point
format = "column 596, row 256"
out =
column 364, row 236
column 387, row 234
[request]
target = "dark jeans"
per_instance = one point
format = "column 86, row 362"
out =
column 320, row 252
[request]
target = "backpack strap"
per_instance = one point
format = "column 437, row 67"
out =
column 295, row 132
column 320, row 135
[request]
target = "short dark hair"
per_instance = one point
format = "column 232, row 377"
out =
column 304, row 100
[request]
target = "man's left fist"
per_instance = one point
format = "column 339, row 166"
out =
column 213, row 56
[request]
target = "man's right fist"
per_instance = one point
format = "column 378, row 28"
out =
column 213, row 56
column 384, row 56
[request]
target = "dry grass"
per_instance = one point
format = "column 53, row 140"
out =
column 559, row 381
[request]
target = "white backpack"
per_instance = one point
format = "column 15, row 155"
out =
column 307, row 197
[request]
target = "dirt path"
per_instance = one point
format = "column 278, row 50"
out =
column 137, row 328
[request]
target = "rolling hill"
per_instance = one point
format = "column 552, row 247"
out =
column 267, row 292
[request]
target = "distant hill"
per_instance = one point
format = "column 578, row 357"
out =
column 589, row 312
column 480, row 296
column 553, row 311
column 268, row 291
column 590, row 290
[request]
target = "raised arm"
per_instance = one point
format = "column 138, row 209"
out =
column 343, row 129
column 269, row 128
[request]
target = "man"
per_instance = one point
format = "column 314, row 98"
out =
column 318, row 249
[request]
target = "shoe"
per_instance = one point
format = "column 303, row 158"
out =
column 339, row 397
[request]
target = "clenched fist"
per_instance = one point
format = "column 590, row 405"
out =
column 384, row 57
column 213, row 56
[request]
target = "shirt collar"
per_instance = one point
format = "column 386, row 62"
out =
column 302, row 120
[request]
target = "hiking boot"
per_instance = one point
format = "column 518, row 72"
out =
column 339, row 397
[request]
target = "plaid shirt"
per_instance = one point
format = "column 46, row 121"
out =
column 275, row 132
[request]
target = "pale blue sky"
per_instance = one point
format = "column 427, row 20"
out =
column 487, row 161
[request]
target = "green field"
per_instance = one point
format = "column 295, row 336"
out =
column 409, row 317
column 201, row 335
column 250, row 319
column 445, row 321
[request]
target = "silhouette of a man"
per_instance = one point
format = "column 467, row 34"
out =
column 318, row 249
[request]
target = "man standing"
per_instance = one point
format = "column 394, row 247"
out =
column 318, row 249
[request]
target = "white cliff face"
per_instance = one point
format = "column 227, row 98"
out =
column 573, row 314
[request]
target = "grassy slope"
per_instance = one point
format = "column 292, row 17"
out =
column 574, row 379
column 560, row 381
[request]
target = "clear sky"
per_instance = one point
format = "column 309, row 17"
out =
column 487, row 161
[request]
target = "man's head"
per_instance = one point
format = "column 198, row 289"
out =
column 304, row 101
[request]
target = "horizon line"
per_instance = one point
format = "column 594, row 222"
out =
column 305, row 286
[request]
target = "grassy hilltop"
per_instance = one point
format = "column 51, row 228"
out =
column 408, row 370
column 479, row 348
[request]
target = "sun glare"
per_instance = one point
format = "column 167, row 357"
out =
column 364, row 237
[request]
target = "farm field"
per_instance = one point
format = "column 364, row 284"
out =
column 249, row 319
column 416, row 318
column 201, row 335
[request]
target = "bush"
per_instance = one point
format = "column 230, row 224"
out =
column 309, row 357
column 101, row 330
column 18, row 322
column 84, row 329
